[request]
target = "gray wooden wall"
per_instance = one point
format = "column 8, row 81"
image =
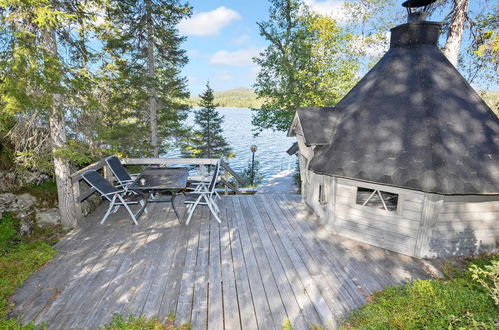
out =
column 425, row 225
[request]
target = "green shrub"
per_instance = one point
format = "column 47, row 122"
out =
column 20, row 257
column 430, row 304
column 135, row 323
column 488, row 277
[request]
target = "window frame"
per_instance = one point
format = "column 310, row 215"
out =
column 397, row 211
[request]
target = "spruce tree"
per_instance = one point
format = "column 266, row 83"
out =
column 208, row 141
column 143, row 74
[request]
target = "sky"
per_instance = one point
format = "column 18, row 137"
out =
column 222, row 38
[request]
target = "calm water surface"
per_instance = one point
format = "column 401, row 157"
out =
column 271, row 146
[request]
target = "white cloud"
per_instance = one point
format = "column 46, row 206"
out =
column 331, row 8
column 208, row 23
column 238, row 58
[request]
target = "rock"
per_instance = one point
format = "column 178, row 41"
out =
column 31, row 178
column 7, row 181
column 48, row 217
column 7, row 199
column 25, row 201
column 26, row 226
column 90, row 204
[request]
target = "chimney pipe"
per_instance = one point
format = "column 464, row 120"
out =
column 417, row 10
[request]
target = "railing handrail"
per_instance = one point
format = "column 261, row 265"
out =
column 236, row 176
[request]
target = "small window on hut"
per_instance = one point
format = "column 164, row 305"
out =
column 377, row 199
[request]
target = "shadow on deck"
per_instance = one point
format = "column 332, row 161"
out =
column 268, row 261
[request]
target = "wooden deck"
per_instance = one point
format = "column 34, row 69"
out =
column 268, row 261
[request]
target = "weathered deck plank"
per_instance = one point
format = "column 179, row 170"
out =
column 269, row 260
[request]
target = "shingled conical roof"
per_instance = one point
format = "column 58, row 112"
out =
column 413, row 121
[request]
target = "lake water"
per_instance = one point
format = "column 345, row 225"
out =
column 271, row 146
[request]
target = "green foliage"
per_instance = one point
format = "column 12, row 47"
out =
column 431, row 304
column 492, row 100
column 488, row 277
column 252, row 176
column 43, row 62
column 308, row 63
column 132, row 323
column 233, row 98
column 131, row 28
column 8, row 232
column 207, row 141
column 19, row 258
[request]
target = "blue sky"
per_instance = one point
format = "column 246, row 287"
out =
column 222, row 37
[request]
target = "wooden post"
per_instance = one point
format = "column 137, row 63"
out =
column 202, row 170
column 77, row 205
column 225, row 179
column 108, row 175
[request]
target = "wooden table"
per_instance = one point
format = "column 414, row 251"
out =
column 156, row 180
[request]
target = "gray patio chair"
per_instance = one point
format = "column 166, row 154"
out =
column 205, row 181
column 119, row 171
column 116, row 197
column 204, row 194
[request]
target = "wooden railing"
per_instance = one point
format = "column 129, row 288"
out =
column 201, row 163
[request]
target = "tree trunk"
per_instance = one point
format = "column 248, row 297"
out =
column 57, row 127
column 151, row 74
column 456, row 28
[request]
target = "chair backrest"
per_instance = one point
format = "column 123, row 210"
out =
column 118, row 169
column 100, row 184
column 214, row 178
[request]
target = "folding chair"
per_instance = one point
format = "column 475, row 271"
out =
column 119, row 171
column 205, row 182
column 116, row 197
column 204, row 195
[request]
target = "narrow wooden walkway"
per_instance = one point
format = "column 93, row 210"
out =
column 268, row 261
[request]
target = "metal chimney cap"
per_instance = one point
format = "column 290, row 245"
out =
column 417, row 3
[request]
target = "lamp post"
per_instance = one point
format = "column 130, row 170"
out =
column 253, row 150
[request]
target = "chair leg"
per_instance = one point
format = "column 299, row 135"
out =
column 212, row 200
column 212, row 209
column 110, row 209
column 128, row 209
column 141, row 202
column 191, row 210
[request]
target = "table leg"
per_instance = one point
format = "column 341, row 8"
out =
column 173, row 205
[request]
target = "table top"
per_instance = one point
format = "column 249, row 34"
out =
column 160, row 178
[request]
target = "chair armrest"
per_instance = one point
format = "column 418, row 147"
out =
column 116, row 192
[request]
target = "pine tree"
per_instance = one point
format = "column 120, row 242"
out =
column 208, row 141
column 142, row 71
column 41, row 65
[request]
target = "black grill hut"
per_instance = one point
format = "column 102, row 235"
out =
column 408, row 160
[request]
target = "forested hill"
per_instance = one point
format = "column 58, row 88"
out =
column 233, row 98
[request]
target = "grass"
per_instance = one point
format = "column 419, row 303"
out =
column 455, row 303
column 19, row 258
column 132, row 323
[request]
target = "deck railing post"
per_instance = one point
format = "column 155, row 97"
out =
column 226, row 179
column 108, row 175
column 77, row 205
column 202, row 170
